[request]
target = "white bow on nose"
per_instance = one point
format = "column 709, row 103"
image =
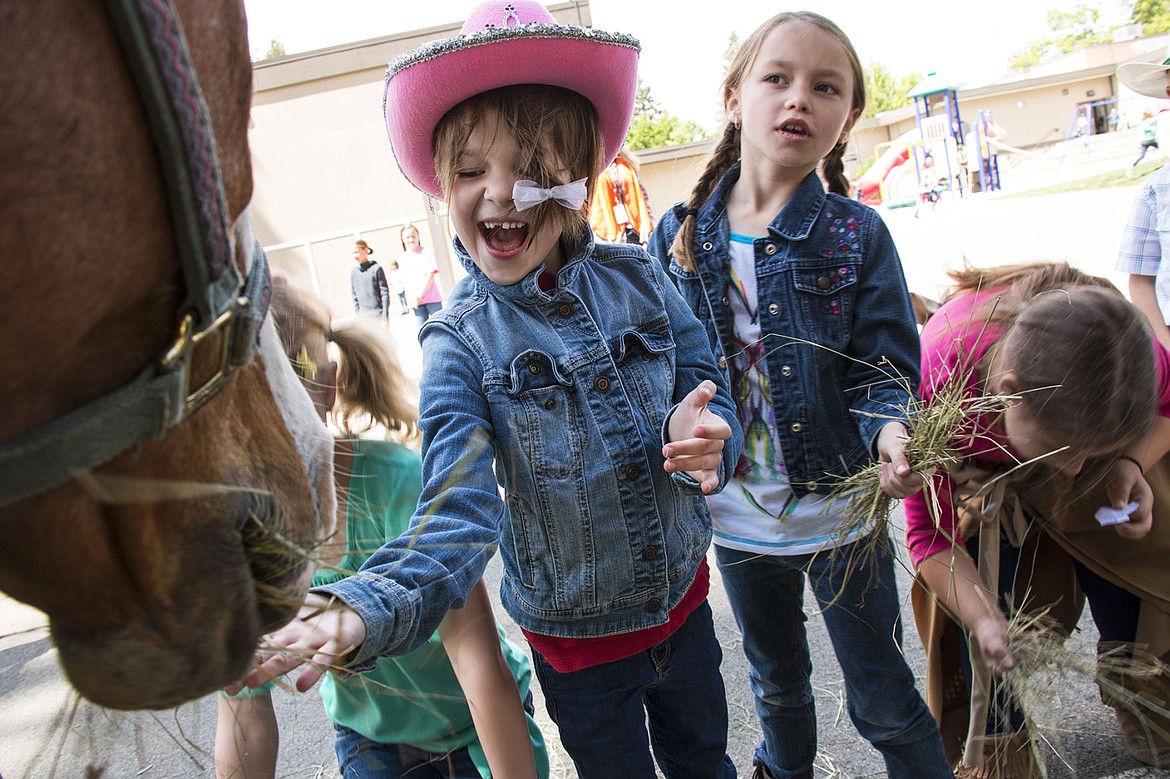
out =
column 526, row 194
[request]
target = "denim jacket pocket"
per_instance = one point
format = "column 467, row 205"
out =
column 545, row 415
column 826, row 290
column 646, row 361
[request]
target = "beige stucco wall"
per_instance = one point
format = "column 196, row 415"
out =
column 325, row 175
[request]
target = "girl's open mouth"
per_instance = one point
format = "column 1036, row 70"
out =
column 504, row 237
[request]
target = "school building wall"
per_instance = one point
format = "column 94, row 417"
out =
column 325, row 175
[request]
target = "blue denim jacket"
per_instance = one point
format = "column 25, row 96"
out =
column 566, row 394
column 828, row 273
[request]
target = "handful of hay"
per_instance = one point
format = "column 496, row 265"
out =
column 938, row 429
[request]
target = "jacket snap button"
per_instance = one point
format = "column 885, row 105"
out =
column 797, row 427
column 632, row 471
column 823, row 282
column 653, row 605
column 770, row 249
column 550, row 404
column 649, row 553
column 726, row 301
column 786, row 371
column 773, row 309
column 534, row 367
column 602, row 384
column 564, row 309
column 707, row 246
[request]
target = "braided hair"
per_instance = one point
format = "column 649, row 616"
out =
column 727, row 151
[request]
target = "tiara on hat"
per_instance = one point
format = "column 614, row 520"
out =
column 433, row 49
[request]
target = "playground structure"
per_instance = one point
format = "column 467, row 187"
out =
column 939, row 134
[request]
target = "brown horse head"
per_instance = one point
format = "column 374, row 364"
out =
column 161, row 567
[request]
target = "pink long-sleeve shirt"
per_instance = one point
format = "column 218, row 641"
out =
column 954, row 341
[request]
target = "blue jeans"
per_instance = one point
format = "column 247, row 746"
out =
column 602, row 711
column 862, row 615
column 426, row 310
column 360, row 758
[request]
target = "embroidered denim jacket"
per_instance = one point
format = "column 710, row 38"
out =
column 544, row 416
column 833, row 303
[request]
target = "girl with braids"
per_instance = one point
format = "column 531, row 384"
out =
column 1089, row 390
column 448, row 710
column 803, row 298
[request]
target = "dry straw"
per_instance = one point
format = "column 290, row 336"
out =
column 1049, row 669
column 938, row 431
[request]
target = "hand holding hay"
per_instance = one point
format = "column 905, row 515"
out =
column 898, row 479
column 937, row 430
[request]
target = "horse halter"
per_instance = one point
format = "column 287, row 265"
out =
column 217, row 301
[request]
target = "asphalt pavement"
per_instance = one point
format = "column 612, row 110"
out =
column 46, row 731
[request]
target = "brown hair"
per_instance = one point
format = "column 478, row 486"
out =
column 362, row 243
column 727, row 150
column 372, row 388
column 556, row 129
column 1081, row 352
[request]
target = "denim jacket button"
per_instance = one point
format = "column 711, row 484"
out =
column 602, row 384
column 649, row 553
column 534, row 367
column 770, row 249
column 707, row 246
column 773, row 309
column 812, row 486
column 823, row 282
column 786, row 370
column 797, row 427
column 565, row 309
column 726, row 301
column 550, row 404
column 632, row 471
column 653, row 605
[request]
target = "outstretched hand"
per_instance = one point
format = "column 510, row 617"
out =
column 696, row 438
column 324, row 631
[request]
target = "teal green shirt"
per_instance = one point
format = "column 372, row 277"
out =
column 414, row 699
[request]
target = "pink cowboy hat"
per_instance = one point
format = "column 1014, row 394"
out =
column 505, row 42
column 1146, row 78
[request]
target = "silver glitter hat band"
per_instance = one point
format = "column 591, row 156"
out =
column 429, row 51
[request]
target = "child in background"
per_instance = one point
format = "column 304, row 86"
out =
column 398, row 287
column 1092, row 397
column 803, row 297
column 408, row 716
column 367, row 283
column 572, row 412
column 419, row 262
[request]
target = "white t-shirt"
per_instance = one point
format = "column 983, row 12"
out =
column 757, row 510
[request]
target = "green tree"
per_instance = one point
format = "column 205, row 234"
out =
column 275, row 49
column 653, row 127
column 884, row 92
column 729, row 53
column 1152, row 15
column 1069, row 30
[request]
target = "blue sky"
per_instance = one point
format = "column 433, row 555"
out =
column 682, row 51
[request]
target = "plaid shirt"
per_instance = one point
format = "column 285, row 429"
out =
column 1145, row 242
